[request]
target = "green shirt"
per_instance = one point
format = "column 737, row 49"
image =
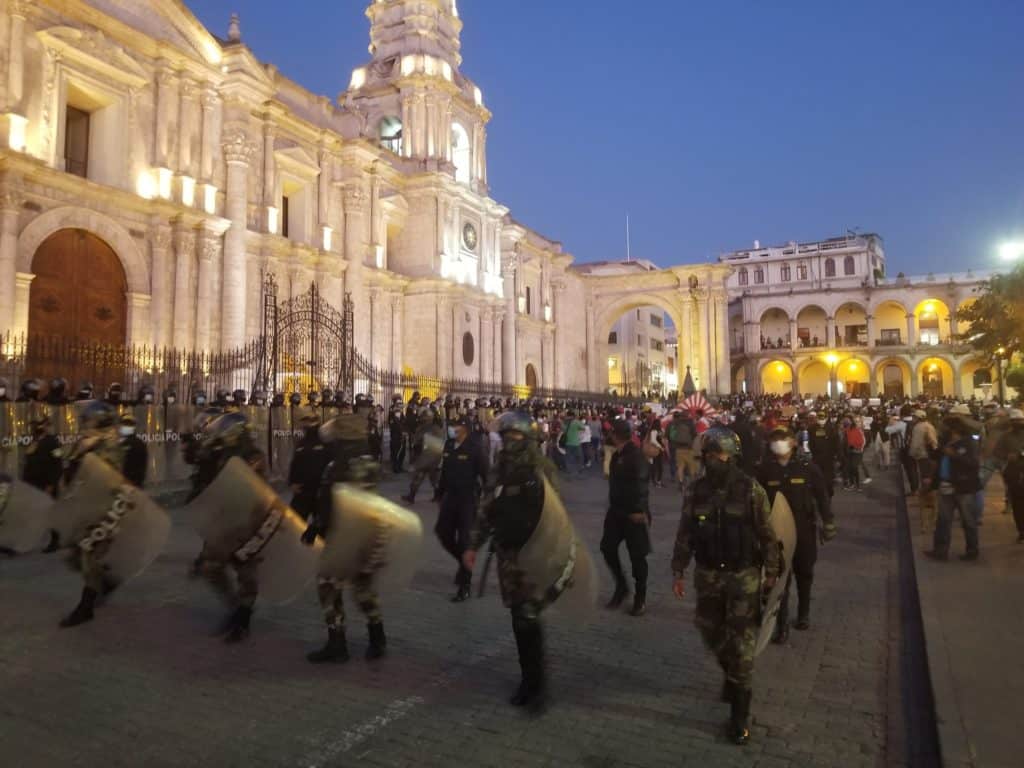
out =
column 572, row 433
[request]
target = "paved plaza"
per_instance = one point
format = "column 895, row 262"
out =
column 146, row 685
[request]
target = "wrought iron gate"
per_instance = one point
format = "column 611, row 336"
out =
column 306, row 345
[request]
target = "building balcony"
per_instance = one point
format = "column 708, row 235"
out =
column 883, row 347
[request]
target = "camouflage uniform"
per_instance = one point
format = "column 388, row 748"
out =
column 347, row 436
column 725, row 527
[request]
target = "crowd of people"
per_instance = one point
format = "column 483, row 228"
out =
column 494, row 466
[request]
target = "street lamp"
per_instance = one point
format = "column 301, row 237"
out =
column 1000, row 353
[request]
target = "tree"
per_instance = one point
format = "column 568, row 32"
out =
column 995, row 322
column 1015, row 377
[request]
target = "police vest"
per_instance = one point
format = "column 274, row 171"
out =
column 724, row 526
column 795, row 486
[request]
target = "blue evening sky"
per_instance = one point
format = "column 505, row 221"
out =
column 715, row 122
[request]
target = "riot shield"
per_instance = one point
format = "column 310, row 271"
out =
column 24, row 516
column 433, row 450
column 150, row 428
column 239, row 516
column 179, row 419
column 782, row 523
column 370, row 533
column 10, row 439
column 282, row 440
column 100, row 495
column 557, row 563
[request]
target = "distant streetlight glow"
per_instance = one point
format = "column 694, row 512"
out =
column 1011, row 251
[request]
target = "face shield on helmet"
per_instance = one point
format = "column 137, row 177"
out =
column 225, row 431
column 97, row 414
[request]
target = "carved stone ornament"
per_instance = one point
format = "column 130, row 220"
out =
column 209, row 248
column 237, row 146
column 355, row 198
column 11, row 200
column 161, row 239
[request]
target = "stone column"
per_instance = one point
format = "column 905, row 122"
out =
column 407, row 125
column 444, row 319
column 238, row 151
column 509, row 374
column 954, row 329
column 22, row 287
column 592, row 356
column 323, row 196
column 373, row 295
column 557, row 292
column 16, row 57
column 355, row 254
column 209, row 248
column 269, row 168
column 911, row 330
column 139, row 330
column 186, row 127
column 209, row 103
column 396, row 332
column 958, row 383
column 10, row 206
column 685, row 347
column 184, row 306
column 794, row 342
column 721, row 350
column 483, row 361
column 704, row 333
column 547, row 364
column 871, row 331
column 162, row 309
column 496, row 358
column 166, row 103
column 830, row 332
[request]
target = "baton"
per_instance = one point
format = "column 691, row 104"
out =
column 483, row 576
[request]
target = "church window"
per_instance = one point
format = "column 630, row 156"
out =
column 461, row 153
column 285, row 209
column 613, row 337
column 76, row 142
column 529, row 301
column 391, row 134
column 468, row 348
column 830, row 267
column 801, row 271
column 849, row 266
column 759, row 275
column 786, row 273
column 744, row 276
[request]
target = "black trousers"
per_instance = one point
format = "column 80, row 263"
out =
column 802, row 571
column 454, row 524
column 619, row 528
column 827, row 465
column 910, row 468
column 397, row 452
column 530, row 644
column 1015, row 494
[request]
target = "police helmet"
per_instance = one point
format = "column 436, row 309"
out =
column 719, row 439
column 85, row 391
column 327, row 396
column 115, row 393
column 226, row 430
column 58, row 389
column 170, row 396
column 259, row 397
column 30, row 389
column 278, row 401
column 239, row 396
column 204, row 417
column 146, row 394
column 396, row 398
column 515, row 421
column 199, row 397
column 97, row 414
column 313, row 397
column 295, row 399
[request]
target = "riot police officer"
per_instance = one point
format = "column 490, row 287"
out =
column 823, row 440
column 424, row 466
column 29, row 391
column 97, row 424
column 396, row 434
column 43, row 465
column 136, row 455
column 803, row 485
column 57, row 394
column 724, row 526
column 463, row 472
column 346, row 438
column 309, row 461
column 115, row 394
column 512, row 507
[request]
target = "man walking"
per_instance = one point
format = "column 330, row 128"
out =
column 628, row 516
column 957, row 481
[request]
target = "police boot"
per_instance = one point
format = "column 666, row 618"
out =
column 335, row 650
column 378, row 641
column 462, row 594
column 530, row 642
column 639, row 601
column 781, row 633
column 238, row 625
column 739, row 721
column 620, row 594
column 803, row 609
column 83, row 611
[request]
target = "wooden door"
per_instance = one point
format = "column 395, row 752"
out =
column 79, row 290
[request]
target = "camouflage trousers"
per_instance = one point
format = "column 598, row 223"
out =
column 332, row 600
column 90, row 563
column 728, row 610
column 217, row 573
column 420, row 475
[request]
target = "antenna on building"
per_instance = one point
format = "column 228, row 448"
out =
column 628, row 252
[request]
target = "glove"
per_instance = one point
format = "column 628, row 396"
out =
column 828, row 532
column 309, row 535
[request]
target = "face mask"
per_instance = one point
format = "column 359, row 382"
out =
column 147, row 399
column 3, row 391
column 126, row 431
column 200, row 401
column 451, row 432
column 780, row 447
column 716, row 468
column 170, row 400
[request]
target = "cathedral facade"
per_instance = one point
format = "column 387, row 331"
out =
column 152, row 175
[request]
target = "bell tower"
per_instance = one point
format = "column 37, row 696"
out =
column 412, row 95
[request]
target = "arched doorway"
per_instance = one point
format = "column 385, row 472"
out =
column 79, row 290
column 531, row 376
column 777, row 378
column 892, row 380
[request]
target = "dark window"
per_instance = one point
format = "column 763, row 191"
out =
column 529, row 301
column 285, row 206
column 613, row 337
column 76, row 142
column 830, row 267
column 759, row 275
column 801, row 272
column 656, row 345
column 468, row 348
column 982, row 376
column 639, row 340
column 890, row 338
column 849, row 265
column 656, row 321
column 787, row 273
column 744, row 276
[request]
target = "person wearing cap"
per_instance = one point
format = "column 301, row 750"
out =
column 136, row 456
column 628, row 516
column 463, row 472
column 924, row 442
column 803, row 486
column 725, row 527
column 957, row 480
column 822, row 439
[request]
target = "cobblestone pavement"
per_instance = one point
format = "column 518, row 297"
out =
column 146, row 685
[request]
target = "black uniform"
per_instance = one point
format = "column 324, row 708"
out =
column 136, row 456
column 309, row 461
column 628, row 495
column 396, row 429
column 43, row 466
column 822, row 440
column 463, row 472
column 803, row 485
